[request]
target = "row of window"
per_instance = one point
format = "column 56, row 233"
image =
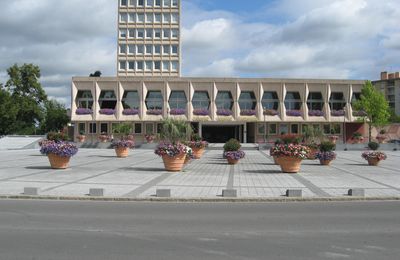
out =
column 148, row 3
column 142, row 33
column 148, row 49
column 148, row 66
column 161, row 18
column 201, row 100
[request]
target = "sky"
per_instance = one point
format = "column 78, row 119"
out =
column 335, row 39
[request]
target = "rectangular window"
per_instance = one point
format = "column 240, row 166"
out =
column 104, row 128
column 132, row 2
column 140, row 3
column 140, row 49
column 166, row 3
column 175, row 18
column 159, row 127
column 166, row 33
column 283, row 129
column 132, row 33
column 294, row 128
column 149, row 128
column 140, row 33
column 261, row 129
column 122, row 33
column 123, row 17
column 131, row 49
column 175, row 49
column 167, row 18
column 122, row 65
column 131, row 65
column 140, row 18
column 175, row 33
column 327, row 129
column 92, row 128
column 149, row 65
column 124, row 2
column 174, row 66
column 157, row 65
column 149, row 33
column 139, row 65
column 272, row 129
column 132, row 17
column 138, row 128
column 157, row 33
column 122, row 49
column 157, row 49
column 149, row 49
column 150, row 3
column 165, row 65
column 337, row 129
column 157, row 18
column 149, row 18
column 157, row 3
column 174, row 3
column 166, row 49
column 82, row 128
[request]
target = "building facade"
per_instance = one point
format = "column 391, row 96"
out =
column 389, row 84
column 149, row 38
column 251, row 110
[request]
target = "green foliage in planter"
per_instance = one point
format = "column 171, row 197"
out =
column 196, row 137
column 327, row 146
column 57, row 137
column 357, row 135
column 232, row 145
column 123, row 129
column 175, row 131
column 373, row 146
column 290, row 139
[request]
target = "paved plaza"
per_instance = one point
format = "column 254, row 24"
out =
column 143, row 172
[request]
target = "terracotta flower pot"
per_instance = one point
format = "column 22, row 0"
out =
column 276, row 160
column 122, row 152
column 289, row 164
column 58, row 162
column 232, row 161
column 174, row 164
column 198, row 152
column 325, row 162
column 373, row 161
column 81, row 138
column 312, row 154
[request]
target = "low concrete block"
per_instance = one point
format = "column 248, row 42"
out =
column 163, row 193
column 96, row 192
column 356, row 192
column 294, row 193
column 229, row 193
column 31, row 191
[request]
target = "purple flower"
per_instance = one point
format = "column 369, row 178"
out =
column 248, row 112
column 171, row 150
column 337, row 113
column 156, row 112
column 83, row 111
column 107, row 111
column 316, row 113
column 177, row 111
column 123, row 144
column 201, row 112
column 63, row 149
column 326, row 156
column 130, row 112
column 271, row 112
column 294, row 113
column 224, row 112
column 234, row 155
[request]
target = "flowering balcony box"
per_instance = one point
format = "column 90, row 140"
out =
column 107, row 111
column 224, row 112
column 248, row 112
column 271, row 112
column 201, row 112
column 296, row 113
column 316, row 113
column 177, row 111
column 83, row 111
column 360, row 113
column 154, row 112
column 130, row 112
column 337, row 113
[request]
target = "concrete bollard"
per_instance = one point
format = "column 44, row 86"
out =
column 31, row 191
column 96, row 192
column 294, row 193
column 163, row 193
column 356, row 192
column 229, row 193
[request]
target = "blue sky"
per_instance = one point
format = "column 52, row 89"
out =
column 341, row 39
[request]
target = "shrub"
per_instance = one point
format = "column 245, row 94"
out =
column 232, row 145
column 57, row 137
column 373, row 146
column 327, row 146
column 290, row 139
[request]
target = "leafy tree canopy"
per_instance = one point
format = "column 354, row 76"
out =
column 56, row 117
column 97, row 73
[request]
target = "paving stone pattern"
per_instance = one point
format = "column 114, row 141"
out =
column 142, row 173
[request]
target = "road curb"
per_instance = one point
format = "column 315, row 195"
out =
column 198, row 200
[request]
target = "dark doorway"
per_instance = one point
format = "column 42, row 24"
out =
column 220, row 134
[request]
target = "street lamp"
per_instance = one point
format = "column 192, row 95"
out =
column 344, row 129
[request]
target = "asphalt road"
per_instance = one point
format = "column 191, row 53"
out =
column 112, row 230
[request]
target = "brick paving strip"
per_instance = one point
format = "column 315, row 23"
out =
column 139, row 190
column 229, row 185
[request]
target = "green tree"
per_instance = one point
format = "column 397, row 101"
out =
column 27, row 92
column 374, row 104
column 8, row 112
column 55, row 118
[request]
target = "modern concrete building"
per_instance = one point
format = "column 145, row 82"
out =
column 149, row 38
column 149, row 88
column 389, row 84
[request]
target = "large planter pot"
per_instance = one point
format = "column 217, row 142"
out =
column 325, row 162
column 58, row 162
column 197, row 152
column 312, row 154
column 122, row 152
column 232, row 161
column 276, row 160
column 373, row 161
column 81, row 138
column 289, row 164
column 174, row 164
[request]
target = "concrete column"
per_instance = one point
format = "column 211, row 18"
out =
column 201, row 129
column 245, row 133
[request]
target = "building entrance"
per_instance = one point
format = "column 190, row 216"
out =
column 222, row 133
